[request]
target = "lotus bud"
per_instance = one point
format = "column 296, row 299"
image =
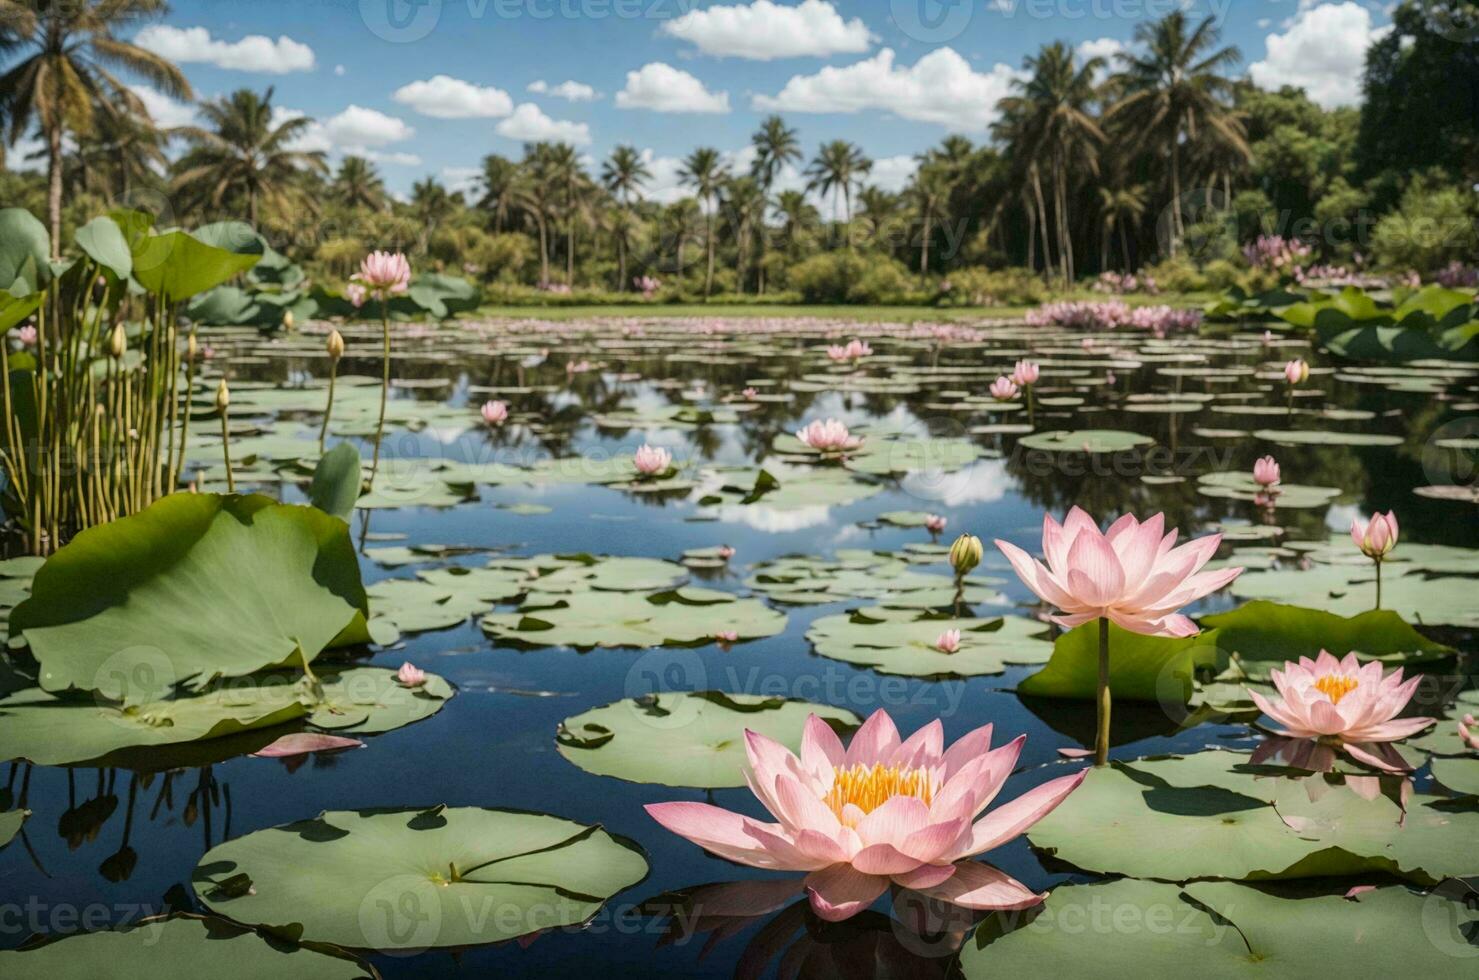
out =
column 287, row 320
column 335, row 345
column 192, row 346
column 1296, row 372
column 223, row 397
column 934, row 523
column 117, row 342
column 1377, row 536
column 1266, row 471
column 965, row 553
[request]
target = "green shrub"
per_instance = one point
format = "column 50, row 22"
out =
column 1178, row 275
column 847, row 277
column 1433, row 226
column 992, row 287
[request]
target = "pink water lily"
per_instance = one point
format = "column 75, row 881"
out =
column 1004, row 389
column 1132, row 574
column 1468, row 731
column 410, row 675
column 948, row 641
column 1026, row 372
column 1376, row 537
column 934, row 523
column 750, row 394
column 1296, row 372
column 495, row 412
column 1342, row 703
column 830, row 436
column 882, row 811
column 652, row 460
column 853, row 350
column 385, row 273
column 1266, row 472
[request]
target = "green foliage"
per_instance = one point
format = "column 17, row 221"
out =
column 977, row 286
column 849, row 277
column 1434, row 225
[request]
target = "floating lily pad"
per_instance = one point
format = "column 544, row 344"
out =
column 416, row 879
column 1224, row 931
column 195, row 587
column 182, row 946
column 370, row 700
column 1141, row 668
column 1198, row 817
column 1325, row 437
column 904, row 642
column 625, row 619
column 1263, row 635
column 1460, row 775
column 681, row 739
column 1085, row 441
column 857, row 574
column 1241, row 486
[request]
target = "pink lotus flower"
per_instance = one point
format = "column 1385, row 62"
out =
column 948, row 641
column 26, row 335
column 384, row 273
column 830, row 436
column 1296, row 372
column 934, row 523
column 1266, row 472
column 410, row 675
column 495, row 412
column 853, row 350
column 1026, row 373
column 356, row 294
column 1344, row 703
column 1268, row 338
column 749, row 394
column 1004, row 389
column 1468, row 730
column 1377, row 536
column 1131, row 574
column 882, row 811
column 726, row 636
column 652, row 460
column 726, row 552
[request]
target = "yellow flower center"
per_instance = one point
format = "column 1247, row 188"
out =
column 1336, row 686
column 868, row 787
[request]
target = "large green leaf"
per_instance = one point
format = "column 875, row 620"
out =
column 1141, row 668
column 1264, row 634
column 184, row 946
column 679, row 739
column 893, row 641
column 25, row 252
column 410, row 880
column 1225, row 931
column 336, row 481
column 195, row 587
column 1210, row 816
column 104, row 243
column 177, row 265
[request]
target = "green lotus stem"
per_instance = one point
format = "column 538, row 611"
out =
column 1378, row 583
column 1031, row 408
column 959, row 593
column 1101, row 738
column 323, row 430
column 226, row 448
column 384, row 385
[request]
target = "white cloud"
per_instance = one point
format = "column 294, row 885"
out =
column 1323, row 52
column 531, row 125
column 569, row 90
column 940, row 88
column 764, row 30
column 445, row 97
column 1103, row 47
column 339, row 70
column 165, row 111
column 663, row 88
column 397, row 159
column 358, row 126
column 461, row 179
column 255, row 52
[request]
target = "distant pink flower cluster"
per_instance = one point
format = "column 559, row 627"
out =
column 853, row 350
column 1456, row 275
column 1275, row 253
column 1109, row 314
column 556, row 288
column 1124, row 282
column 647, row 285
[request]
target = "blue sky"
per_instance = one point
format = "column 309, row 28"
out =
column 430, row 86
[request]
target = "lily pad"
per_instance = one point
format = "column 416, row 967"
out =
column 1085, row 441
column 854, row 573
column 10, row 824
column 1224, row 931
column 181, row 946
column 585, row 620
column 1241, row 486
column 406, row 880
column 904, row 642
column 370, row 700
column 682, row 739
column 195, row 587
column 1141, row 668
column 1262, row 635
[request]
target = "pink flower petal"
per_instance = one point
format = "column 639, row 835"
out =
column 980, row 886
column 874, row 741
column 301, row 743
column 1010, row 820
column 720, row 832
column 840, row 892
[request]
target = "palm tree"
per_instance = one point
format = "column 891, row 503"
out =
column 1012, row 129
column 705, row 171
column 534, row 189
column 681, row 218
column 65, row 74
column 1122, row 207
column 125, row 150
column 838, row 168
column 357, row 185
column 498, row 181
column 243, row 156
column 431, row 204
column 1053, row 128
column 776, row 145
column 1173, row 89
column 623, row 175
column 744, row 203
column 928, row 194
column 564, row 168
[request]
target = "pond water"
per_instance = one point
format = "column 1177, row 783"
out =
column 115, row 843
